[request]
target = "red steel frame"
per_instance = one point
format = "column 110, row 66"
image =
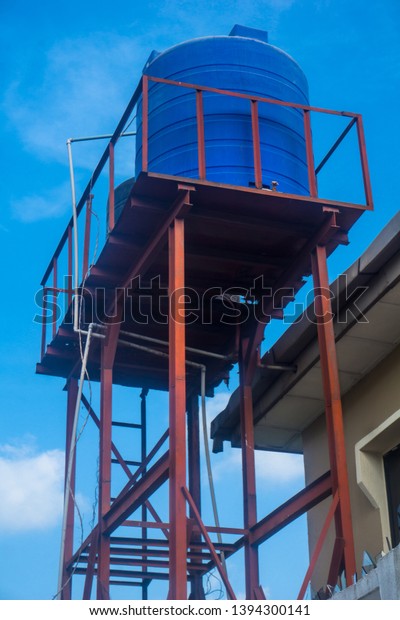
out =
column 248, row 467
column 185, row 535
column 177, row 413
column 142, row 92
column 334, row 419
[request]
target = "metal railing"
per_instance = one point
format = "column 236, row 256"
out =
column 143, row 93
column 254, row 101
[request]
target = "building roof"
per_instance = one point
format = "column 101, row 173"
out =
column 287, row 402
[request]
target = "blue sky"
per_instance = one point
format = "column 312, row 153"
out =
column 69, row 70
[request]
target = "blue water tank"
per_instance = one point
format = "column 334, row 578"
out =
column 243, row 62
column 121, row 195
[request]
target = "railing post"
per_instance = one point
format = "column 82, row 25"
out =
column 54, row 321
column 255, row 130
column 86, row 242
column 111, row 195
column 145, row 123
column 364, row 163
column 312, row 181
column 44, row 323
column 200, row 135
column 69, row 276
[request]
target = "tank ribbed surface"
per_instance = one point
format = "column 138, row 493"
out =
column 237, row 63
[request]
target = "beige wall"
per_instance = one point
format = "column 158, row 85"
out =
column 365, row 407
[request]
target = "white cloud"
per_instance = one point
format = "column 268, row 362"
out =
column 278, row 467
column 86, row 82
column 31, row 488
column 54, row 202
column 215, row 405
column 82, row 91
column 192, row 18
column 274, row 468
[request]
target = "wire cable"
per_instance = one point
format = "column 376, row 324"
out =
column 208, row 464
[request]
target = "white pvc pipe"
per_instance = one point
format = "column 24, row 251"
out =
column 75, row 232
column 71, row 455
column 102, row 137
column 89, row 334
column 218, row 356
column 76, row 254
column 208, row 461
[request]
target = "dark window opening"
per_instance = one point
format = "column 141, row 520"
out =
column 391, row 462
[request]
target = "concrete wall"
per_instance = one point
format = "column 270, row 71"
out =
column 367, row 406
column 382, row 583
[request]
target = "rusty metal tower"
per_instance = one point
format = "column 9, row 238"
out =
column 193, row 234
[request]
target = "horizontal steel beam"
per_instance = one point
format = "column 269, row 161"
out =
column 137, row 495
column 129, row 574
column 300, row 503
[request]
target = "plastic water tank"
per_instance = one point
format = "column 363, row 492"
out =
column 121, row 194
column 243, row 62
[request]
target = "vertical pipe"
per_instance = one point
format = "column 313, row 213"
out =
column 111, row 193
column 69, row 277
column 72, row 392
column 86, row 241
column 145, row 123
column 333, row 408
column 54, row 321
column 196, row 591
column 200, row 135
column 208, row 460
column 248, row 473
column 255, row 128
column 71, row 459
column 364, row 163
column 143, row 450
column 312, row 181
column 177, row 414
column 75, row 231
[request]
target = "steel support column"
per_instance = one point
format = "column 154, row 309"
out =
column 248, row 470
column 197, row 590
column 143, row 451
column 91, row 563
column 108, row 351
column 333, row 409
column 72, row 391
column 177, row 413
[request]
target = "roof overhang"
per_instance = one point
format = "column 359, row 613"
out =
column 366, row 303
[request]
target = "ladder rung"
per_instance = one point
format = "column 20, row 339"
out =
column 127, row 425
column 117, row 582
column 134, row 463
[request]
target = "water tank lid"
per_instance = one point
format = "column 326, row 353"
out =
column 249, row 33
